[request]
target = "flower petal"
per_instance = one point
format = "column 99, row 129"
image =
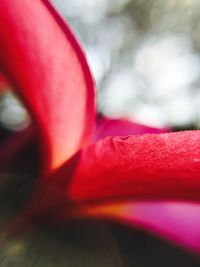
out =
column 122, row 127
column 175, row 221
column 163, row 166
column 44, row 61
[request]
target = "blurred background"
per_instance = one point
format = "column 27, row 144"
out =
column 145, row 57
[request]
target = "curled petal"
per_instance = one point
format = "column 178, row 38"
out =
column 122, row 127
column 42, row 58
column 163, row 166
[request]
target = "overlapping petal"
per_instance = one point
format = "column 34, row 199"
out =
column 163, row 166
column 44, row 61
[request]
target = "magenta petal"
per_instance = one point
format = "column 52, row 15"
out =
column 122, row 127
column 176, row 221
column 42, row 58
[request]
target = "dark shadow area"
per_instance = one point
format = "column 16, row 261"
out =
column 140, row 249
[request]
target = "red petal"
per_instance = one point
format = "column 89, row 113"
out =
column 41, row 56
column 164, row 166
column 122, row 127
column 175, row 221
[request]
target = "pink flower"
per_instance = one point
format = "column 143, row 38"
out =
column 128, row 178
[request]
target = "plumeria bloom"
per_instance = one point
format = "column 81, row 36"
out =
column 116, row 170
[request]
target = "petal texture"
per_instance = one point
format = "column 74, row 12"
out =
column 44, row 61
column 163, row 166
